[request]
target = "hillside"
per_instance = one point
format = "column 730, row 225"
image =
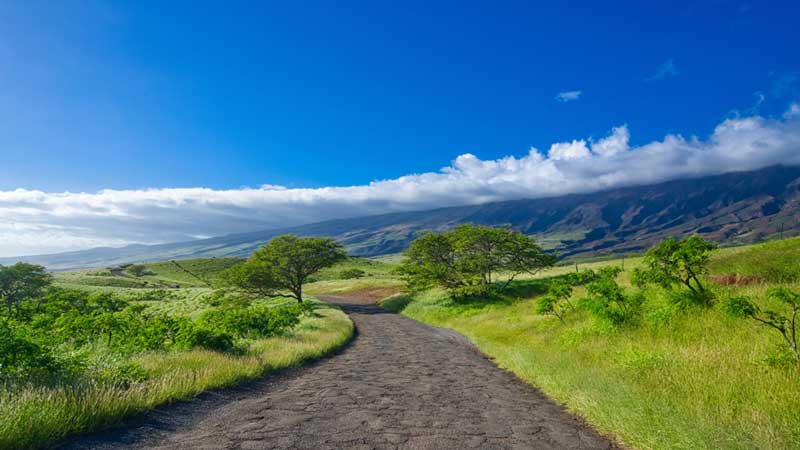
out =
column 733, row 208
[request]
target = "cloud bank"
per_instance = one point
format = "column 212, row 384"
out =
column 33, row 221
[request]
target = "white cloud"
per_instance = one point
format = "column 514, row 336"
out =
column 568, row 96
column 667, row 69
column 34, row 221
column 611, row 145
column 569, row 150
column 793, row 111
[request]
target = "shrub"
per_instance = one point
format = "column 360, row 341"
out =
column 557, row 300
column 137, row 270
column 193, row 336
column 254, row 321
column 785, row 324
column 351, row 274
column 607, row 300
column 20, row 357
column 677, row 262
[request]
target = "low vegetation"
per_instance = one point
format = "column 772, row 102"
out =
column 76, row 357
column 663, row 354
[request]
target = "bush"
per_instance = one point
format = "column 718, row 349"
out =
column 20, row 357
column 608, row 301
column 138, row 270
column 253, row 322
column 777, row 319
column 192, row 336
column 351, row 273
column 678, row 262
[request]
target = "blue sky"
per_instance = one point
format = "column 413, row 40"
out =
column 126, row 96
column 163, row 94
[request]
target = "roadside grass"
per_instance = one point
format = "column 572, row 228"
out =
column 679, row 379
column 37, row 417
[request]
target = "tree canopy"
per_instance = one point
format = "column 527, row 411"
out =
column 284, row 264
column 675, row 261
column 468, row 259
column 21, row 281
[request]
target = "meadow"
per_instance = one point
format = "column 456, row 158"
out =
column 679, row 377
column 165, row 343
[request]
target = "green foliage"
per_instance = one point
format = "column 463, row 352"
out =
column 254, row 321
column 21, row 282
column 581, row 278
column 285, row 264
column 349, row 274
column 783, row 321
column 21, row 358
column 557, row 299
column 197, row 337
column 549, row 304
column 466, row 260
column 137, row 270
column 677, row 262
column 607, row 300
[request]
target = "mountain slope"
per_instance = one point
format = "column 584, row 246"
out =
column 732, row 208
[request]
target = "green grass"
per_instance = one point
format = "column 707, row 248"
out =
column 775, row 261
column 693, row 379
column 37, row 417
column 371, row 269
column 191, row 272
column 200, row 272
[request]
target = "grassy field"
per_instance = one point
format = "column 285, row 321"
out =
column 678, row 379
column 39, row 414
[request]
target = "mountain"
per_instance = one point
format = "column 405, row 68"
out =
column 733, row 208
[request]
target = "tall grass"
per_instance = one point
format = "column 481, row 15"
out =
column 36, row 417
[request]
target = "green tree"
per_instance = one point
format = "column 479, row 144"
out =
column 137, row 270
column 284, row 265
column 677, row 262
column 467, row 259
column 782, row 322
column 21, row 282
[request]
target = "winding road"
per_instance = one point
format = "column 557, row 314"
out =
column 400, row 384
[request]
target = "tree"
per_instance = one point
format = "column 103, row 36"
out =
column 785, row 324
column 20, row 282
column 680, row 262
column 466, row 260
column 284, row 264
column 137, row 270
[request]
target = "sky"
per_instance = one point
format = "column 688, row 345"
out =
column 147, row 122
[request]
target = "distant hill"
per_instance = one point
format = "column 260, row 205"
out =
column 734, row 208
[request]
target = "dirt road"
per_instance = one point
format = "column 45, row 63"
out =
column 400, row 385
